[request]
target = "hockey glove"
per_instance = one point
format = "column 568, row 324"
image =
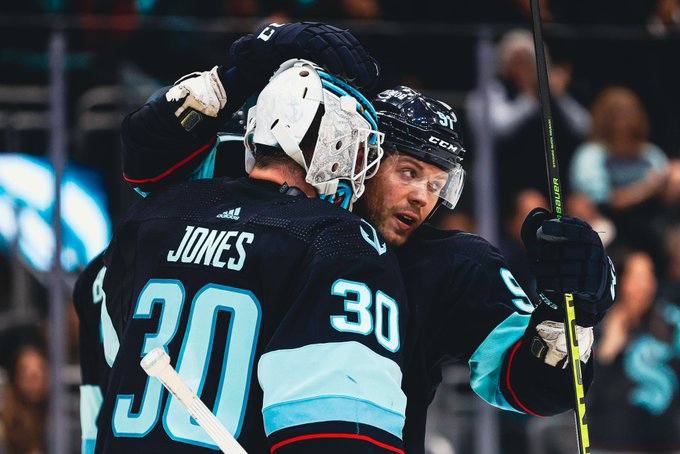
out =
column 550, row 344
column 258, row 55
column 199, row 93
column 567, row 255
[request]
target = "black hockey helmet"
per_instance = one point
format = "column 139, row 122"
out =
column 426, row 129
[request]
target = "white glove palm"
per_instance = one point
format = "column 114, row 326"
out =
column 201, row 91
column 555, row 341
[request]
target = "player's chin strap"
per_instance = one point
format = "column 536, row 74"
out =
column 434, row 210
column 550, row 343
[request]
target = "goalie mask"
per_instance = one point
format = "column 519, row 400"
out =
column 348, row 145
column 426, row 129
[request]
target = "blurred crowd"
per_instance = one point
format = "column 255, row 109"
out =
column 616, row 106
column 656, row 14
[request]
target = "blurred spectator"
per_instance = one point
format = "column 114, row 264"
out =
column 511, row 244
column 583, row 207
column 24, row 414
column 515, row 115
column 664, row 17
column 672, row 193
column 633, row 404
column 325, row 10
column 12, row 339
column 240, row 8
column 454, row 220
column 670, row 286
column 621, row 171
column 522, row 9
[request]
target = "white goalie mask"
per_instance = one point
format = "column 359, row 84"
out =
column 348, row 147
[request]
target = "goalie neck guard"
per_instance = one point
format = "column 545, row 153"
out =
column 426, row 129
column 348, row 147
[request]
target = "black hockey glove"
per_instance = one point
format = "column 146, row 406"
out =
column 567, row 255
column 258, row 55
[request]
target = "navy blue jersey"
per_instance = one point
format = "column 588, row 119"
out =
column 284, row 313
column 464, row 303
column 87, row 298
column 467, row 307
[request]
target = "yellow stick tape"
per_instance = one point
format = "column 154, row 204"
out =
column 574, row 360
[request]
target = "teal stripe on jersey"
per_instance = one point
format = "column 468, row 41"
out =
column 90, row 403
column 344, row 381
column 87, row 446
column 206, row 169
column 109, row 336
column 487, row 361
column 329, row 408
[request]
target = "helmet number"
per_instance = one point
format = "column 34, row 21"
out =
column 446, row 120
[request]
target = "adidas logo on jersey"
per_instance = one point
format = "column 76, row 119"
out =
column 234, row 213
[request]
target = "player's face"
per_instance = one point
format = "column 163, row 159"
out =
column 400, row 196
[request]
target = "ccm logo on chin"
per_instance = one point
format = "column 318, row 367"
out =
column 443, row 143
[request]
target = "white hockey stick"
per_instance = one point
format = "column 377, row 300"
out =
column 156, row 363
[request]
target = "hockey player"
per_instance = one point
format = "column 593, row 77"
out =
column 279, row 309
column 465, row 304
column 468, row 307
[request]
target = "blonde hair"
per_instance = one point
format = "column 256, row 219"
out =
column 611, row 99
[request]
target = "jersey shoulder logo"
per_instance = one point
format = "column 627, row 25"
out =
column 234, row 214
column 372, row 238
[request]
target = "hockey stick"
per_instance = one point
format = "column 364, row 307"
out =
column 555, row 190
column 156, row 363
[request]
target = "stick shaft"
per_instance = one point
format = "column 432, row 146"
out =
column 196, row 408
column 555, row 190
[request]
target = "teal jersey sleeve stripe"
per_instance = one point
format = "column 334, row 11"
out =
column 487, row 361
column 348, row 374
column 109, row 336
column 87, row 446
column 90, row 403
column 329, row 408
column 206, row 169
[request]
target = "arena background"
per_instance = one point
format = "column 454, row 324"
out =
column 70, row 70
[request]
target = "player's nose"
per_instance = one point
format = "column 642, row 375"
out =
column 418, row 195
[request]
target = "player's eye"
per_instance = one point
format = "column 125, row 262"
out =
column 435, row 187
column 408, row 173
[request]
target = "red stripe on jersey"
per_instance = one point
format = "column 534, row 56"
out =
column 332, row 435
column 507, row 379
column 173, row 168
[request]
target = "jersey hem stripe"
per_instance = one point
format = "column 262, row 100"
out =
column 336, row 408
column 336, row 435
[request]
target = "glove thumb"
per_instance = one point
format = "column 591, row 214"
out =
column 532, row 223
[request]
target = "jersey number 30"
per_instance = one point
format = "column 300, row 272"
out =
column 230, row 400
